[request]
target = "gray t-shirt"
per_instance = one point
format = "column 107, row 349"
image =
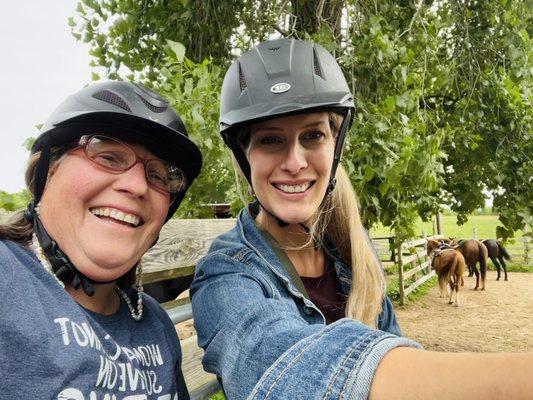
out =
column 52, row 348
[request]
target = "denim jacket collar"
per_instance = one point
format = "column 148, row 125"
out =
column 255, row 238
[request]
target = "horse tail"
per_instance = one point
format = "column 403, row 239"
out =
column 503, row 251
column 452, row 274
column 482, row 261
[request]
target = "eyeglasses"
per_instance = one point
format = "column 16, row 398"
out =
column 116, row 156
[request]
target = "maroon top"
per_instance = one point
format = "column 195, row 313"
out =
column 325, row 292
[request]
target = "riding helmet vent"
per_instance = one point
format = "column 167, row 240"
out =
column 112, row 98
column 316, row 64
column 242, row 80
column 151, row 107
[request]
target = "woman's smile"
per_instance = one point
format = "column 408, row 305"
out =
column 113, row 214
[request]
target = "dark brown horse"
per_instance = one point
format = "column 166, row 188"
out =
column 497, row 253
column 449, row 265
column 474, row 251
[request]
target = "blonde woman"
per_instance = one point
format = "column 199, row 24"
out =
column 291, row 303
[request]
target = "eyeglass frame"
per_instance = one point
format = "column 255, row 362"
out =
column 85, row 140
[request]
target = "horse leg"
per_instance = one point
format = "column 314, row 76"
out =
column 476, row 272
column 459, row 272
column 449, row 285
column 457, row 303
column 442, row 284
column 497, row 265
column 504, row 266
column 470, row 271
column 454, row 284
column 450, row 301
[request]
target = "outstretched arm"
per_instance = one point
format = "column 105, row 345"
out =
column 407, row 373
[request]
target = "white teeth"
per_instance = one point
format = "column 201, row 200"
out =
column 116, row 214
column 294, row 189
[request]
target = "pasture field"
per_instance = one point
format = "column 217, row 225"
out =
column 484, row 224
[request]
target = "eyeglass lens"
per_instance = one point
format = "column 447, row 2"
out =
column 117, row 156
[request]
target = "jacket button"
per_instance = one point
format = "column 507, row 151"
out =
column 308, row 310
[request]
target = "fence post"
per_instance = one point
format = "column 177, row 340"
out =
column 400, row 274
column 474, row 233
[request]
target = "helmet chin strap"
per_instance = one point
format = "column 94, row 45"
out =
column 62, row 267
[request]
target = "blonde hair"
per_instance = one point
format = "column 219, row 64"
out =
column 338, row 218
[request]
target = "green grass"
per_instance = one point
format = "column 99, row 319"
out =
column 484, row 224
column 511, row 267
column 218, row 396
column 393, row 290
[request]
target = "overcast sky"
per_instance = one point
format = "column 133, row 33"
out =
column 40, row 64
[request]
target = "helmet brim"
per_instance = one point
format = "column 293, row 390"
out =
column 284, row 107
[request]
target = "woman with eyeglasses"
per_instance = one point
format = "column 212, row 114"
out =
column 109, row 168
column 291, row 303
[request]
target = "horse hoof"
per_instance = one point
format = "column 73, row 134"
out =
column 450, row 302
column 505, row 278
column 482, row 288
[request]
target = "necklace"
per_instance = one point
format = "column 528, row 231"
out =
column 136, row 315
column 39, row 253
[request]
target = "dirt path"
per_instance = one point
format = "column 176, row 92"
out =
column 497, row 319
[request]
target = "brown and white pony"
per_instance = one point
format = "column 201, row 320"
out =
column 449, row 265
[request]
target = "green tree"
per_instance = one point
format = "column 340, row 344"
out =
column 14, row 201
column 443, row 90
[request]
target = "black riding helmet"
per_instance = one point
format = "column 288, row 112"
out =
column 279, row 78
column 123, row 110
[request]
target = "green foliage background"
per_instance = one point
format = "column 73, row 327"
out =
column 443, row 91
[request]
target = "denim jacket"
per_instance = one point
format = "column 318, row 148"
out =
column 265, row 340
